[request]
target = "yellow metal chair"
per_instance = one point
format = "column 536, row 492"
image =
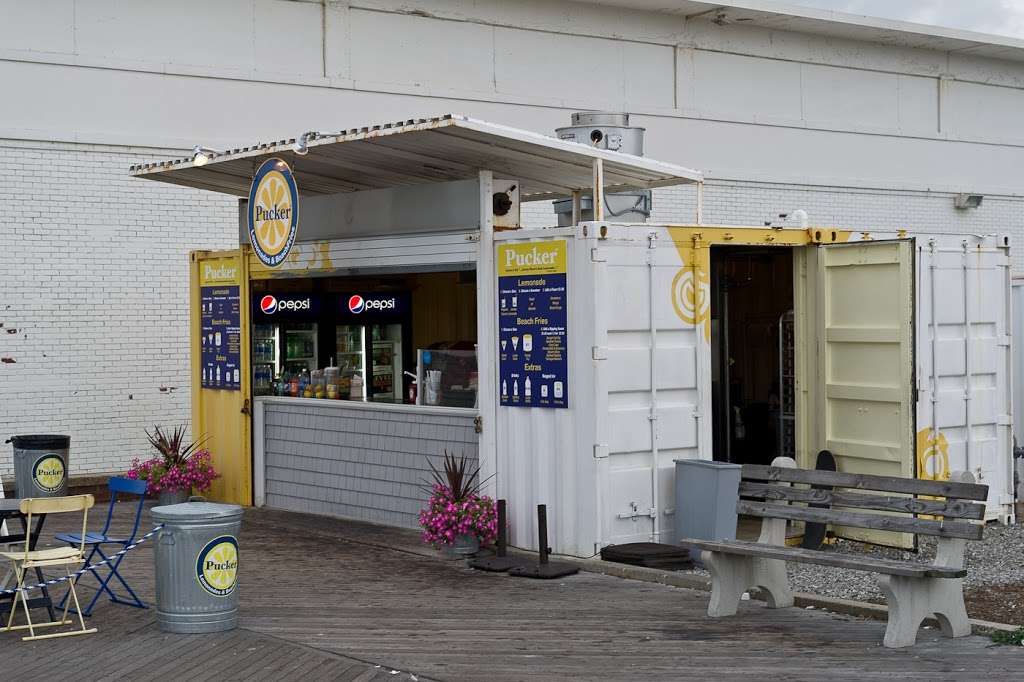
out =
column 71, row 558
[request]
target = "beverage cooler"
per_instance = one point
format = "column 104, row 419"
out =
column 284, row 338
column 374, row 330
column 352, row 346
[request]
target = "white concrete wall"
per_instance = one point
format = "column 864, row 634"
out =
column 862, row 135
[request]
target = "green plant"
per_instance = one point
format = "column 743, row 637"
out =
column 1016, row 637
column 173, row 447
column 458, row 477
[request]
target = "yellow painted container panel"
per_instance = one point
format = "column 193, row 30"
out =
column 223, row 416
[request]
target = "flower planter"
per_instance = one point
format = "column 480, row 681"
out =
column 464, row 547
column 172, row 497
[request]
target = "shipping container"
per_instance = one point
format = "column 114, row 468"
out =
column 892, row 351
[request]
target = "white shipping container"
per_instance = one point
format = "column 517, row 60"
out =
column 899, row 364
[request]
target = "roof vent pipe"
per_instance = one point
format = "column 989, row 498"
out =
column 610, row 131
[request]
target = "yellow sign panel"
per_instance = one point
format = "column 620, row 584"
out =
column 532, row 258
column 219, row 271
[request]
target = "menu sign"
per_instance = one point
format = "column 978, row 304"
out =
column 532, row 344
column 221, row 340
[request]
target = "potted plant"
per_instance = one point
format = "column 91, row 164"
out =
column 181, row 467
column 457, row 518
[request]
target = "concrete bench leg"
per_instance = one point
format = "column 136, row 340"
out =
column 911, row 600
column 732, row 575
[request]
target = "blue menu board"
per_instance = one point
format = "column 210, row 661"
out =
column 532, row 324
column 222, row 339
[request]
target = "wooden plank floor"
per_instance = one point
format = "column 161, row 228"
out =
column 317, row 602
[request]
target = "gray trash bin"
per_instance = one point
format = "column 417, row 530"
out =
column 706, row 494
column 41, row 465
column 197, row 566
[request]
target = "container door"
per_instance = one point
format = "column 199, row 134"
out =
column 221, row 388
column 861, row 377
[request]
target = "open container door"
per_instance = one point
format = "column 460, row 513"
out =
column 860, row 363
column 220, row 330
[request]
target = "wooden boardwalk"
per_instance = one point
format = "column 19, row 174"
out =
column 319, row 603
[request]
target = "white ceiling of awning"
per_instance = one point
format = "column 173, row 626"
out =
column 421, row 151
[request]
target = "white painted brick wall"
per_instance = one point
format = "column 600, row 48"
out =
column 94, row 301
column 94, row 291
column 749, row 203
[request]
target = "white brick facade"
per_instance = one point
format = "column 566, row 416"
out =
column 94, row 300
column 751, row 203
column 95, row 276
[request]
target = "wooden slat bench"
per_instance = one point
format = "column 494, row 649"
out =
column 914, row 590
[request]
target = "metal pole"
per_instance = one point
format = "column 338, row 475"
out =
column 502, row 529
column 542, row 532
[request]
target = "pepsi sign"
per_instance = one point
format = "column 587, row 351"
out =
column 374, row 304
column 286, row 306
column 357, row 304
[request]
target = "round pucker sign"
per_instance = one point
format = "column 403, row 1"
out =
column 217, row 566
column 273, row 212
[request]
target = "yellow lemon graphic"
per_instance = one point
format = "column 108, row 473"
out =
column 932, row 455
column 48, row 473
column 691, row 295
column 217, row 566
column 272, row 213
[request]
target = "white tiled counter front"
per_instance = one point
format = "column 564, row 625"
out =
column 365, row 461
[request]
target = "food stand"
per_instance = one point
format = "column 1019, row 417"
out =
column 574, row 362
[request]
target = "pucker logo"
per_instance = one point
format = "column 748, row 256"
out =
column 273, row 212
column 48, row 473
column 268, row 304
column 217, row 566
column 356, row 304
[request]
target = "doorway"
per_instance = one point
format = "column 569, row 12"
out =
column 752, row 353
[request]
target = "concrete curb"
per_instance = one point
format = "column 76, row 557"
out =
column 802, row 600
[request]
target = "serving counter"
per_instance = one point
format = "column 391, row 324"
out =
column 359, row 460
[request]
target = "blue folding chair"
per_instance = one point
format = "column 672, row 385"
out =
column 117, row 485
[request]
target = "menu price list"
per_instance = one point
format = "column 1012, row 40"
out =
column 532, row 341
column 221, row 337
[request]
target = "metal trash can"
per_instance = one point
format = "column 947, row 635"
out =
column 197, row 566
column 706, row 494
column 41, row 465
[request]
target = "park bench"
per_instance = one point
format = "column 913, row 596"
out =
column 914, row 590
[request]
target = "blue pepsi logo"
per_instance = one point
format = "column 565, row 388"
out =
column 356, row 304
column 268, row 304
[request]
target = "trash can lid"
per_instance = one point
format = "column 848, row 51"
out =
column 195, row 511
column 707, row 463
column 41, row 442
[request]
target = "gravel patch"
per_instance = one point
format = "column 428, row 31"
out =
column 998, row 559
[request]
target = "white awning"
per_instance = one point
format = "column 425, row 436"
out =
column 450, row 147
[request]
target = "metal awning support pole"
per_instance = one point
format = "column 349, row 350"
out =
column 598, row 189
column 577, row 207
column 486, row 281
column 700, row 202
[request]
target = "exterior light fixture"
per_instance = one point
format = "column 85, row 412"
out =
column 202, row 155
column 300, row 147
column 300, row 144
column 964, row 200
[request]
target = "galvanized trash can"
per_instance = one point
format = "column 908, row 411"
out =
column 197, row 566
column 41, row 465
column 706, row 494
